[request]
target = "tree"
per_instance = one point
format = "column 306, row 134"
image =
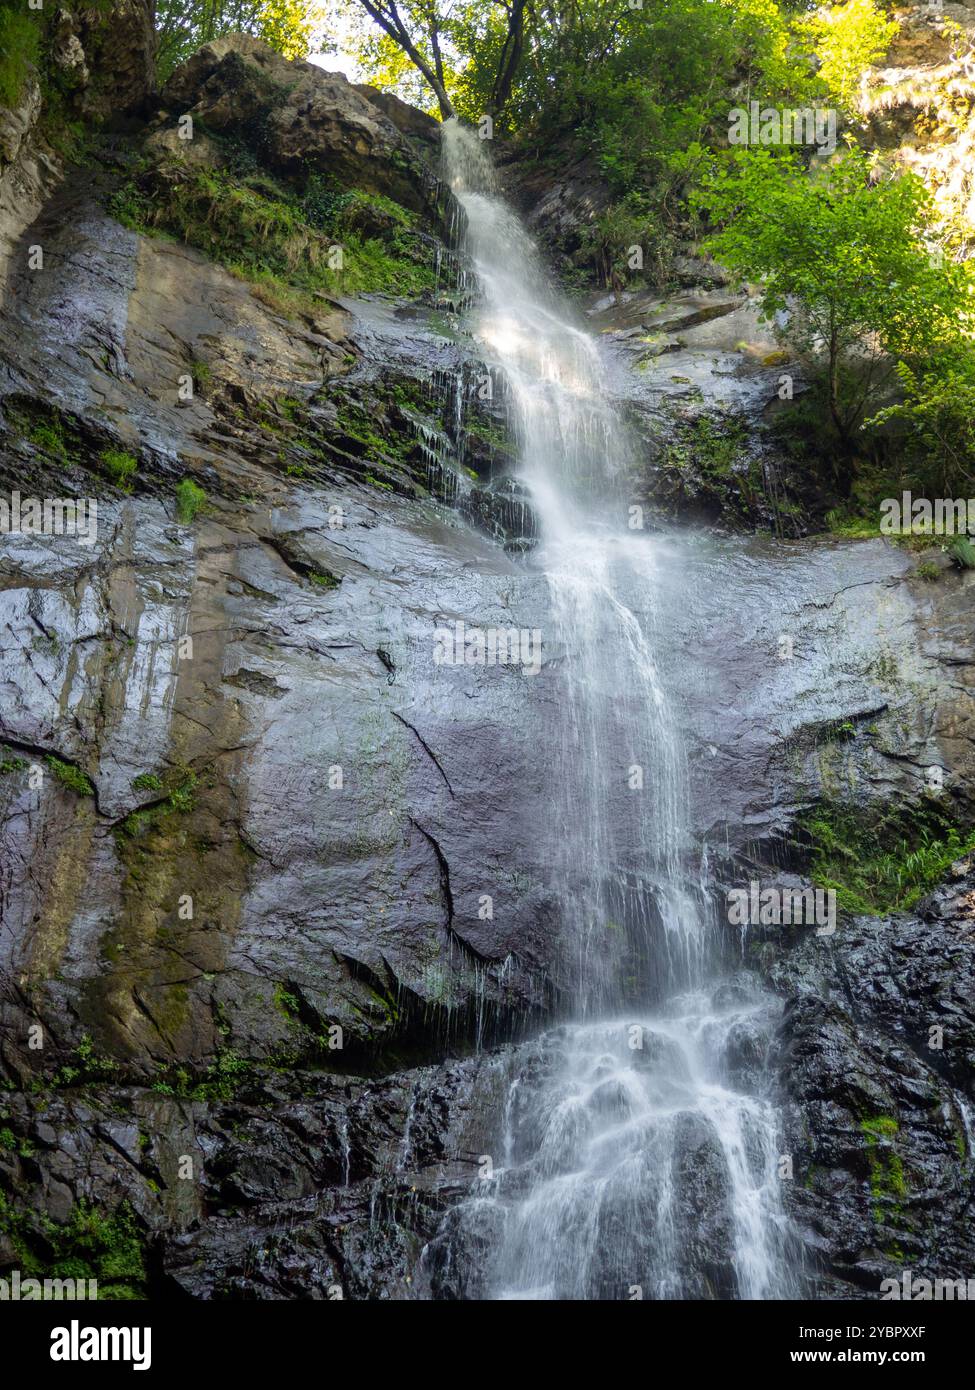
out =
column 847, row 39
column 186, row 25
column 417, row 29
column 475, row 46
column 938, row 409
column 846, row 266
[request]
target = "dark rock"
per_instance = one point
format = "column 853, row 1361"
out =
column 877, row 1049
column 301, row 119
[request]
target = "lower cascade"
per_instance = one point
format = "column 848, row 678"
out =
column 638, row 1156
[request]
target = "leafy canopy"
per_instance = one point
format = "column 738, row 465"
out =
column 290, row 26
column 843, row 257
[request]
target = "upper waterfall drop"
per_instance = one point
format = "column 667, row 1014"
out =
column 623, row 846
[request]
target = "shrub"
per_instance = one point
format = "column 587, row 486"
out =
column 120, row 468
column 71, row 777
column 190, row 501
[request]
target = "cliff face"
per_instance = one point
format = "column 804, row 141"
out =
column 277, row 898
column 93, row 70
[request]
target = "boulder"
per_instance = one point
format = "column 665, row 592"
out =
column 301, row 119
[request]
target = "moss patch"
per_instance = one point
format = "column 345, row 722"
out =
column 888, row 1183
column 190, row 501
column 70, row 777
column 883, row 862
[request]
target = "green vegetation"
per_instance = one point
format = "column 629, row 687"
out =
column 10, row 762
column 287, row 1003
column 938, row 412
column 845, row 253
column 962, row 552
column 223, row 1079
column 70, row 777
column 202, row 375
column 91, row 1244
column 883, row 863
column 287, row 243
column 147, row 782
column 120, row 468
column 186, row 25
column 882, row 314
column 888, row 1183
column 190, row 501
column 20, row 42
column 48, row 436
column 87, row 1066
column 9, row 1143
column 179, row 799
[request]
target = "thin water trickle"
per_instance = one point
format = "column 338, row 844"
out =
column 639, row 1150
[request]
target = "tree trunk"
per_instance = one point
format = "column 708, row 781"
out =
column 397, row 31
column 510, row 59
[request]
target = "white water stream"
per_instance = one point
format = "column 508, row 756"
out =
column 633, row 1158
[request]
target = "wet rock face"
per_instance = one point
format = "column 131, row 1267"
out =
column 106, row 69
column 118, row 57
column 276, row 897
column 559, row 209
column 877, row 1053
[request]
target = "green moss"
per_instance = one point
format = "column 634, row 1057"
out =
column 267, row 234
column 880, row 1127
column 888, row 1183
column 285, row 1002
column 324, row 581
column 181, row 799
column 202, row 376
column 69, row 776
column 120, row 467
column 20, row 42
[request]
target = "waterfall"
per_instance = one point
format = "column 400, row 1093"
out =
column 640, row 1155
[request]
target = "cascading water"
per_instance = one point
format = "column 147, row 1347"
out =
column 639, row 1151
